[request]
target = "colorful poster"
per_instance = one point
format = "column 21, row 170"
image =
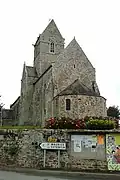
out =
column 113, row 151
column 100, row 139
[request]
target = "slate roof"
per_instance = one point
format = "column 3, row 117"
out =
column 78, row 88
column 16, row 101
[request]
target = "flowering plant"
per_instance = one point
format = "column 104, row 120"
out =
column 65, row 123
column 84, row 123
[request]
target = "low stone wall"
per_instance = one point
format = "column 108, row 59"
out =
column 88, row 164
column 21, row 148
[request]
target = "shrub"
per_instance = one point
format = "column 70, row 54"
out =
column 100, row 124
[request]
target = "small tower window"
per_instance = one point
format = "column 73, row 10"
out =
column 52, row 47
column 68, row 104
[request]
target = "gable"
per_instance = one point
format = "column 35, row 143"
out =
column 73, row 52
column 70, row 65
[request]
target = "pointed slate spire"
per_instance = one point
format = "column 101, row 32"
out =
column 24, row 70
column 25, row 67
column 52, row 28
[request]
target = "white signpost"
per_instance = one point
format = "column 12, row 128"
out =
column 57, row 146
column 53, row 146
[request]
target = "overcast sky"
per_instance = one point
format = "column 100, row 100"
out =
column 94, row 23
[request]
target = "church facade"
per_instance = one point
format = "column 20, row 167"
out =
column 61, row 83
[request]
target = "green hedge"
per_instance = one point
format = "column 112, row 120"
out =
column 95, row 124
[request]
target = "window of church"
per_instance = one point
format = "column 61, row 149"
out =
column 44, row 111
column 52, row 47
column 68, row 104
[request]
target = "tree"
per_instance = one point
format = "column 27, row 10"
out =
column 1, row 107
column 113, row 111
column 1, row 104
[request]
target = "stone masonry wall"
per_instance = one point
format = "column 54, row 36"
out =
column 73, row 64
column 43, row 95
column 82, row 106
column 21, row 148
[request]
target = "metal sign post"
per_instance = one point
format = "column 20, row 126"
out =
column 44, row 158
column 58, row 158
column 50, row 146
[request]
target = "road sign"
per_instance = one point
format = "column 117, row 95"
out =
column 57, row 146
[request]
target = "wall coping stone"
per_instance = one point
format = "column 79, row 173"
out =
column 59, row 130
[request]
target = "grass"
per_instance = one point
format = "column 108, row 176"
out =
column 20, row 127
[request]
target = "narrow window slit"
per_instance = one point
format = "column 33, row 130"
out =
column 52, row 47
column 68, row 104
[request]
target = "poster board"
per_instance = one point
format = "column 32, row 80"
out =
column 113, row 151
column 84, row 142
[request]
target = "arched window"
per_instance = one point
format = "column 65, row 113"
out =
column 68, row 104
column 52, row 47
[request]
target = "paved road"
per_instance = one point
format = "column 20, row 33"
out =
column 6, row 175
column 17, row 176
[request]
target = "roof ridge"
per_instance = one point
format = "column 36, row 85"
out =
column 42, row 75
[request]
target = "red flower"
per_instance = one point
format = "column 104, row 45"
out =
column 51, row 121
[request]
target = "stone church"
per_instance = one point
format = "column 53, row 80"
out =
column 61, row 83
